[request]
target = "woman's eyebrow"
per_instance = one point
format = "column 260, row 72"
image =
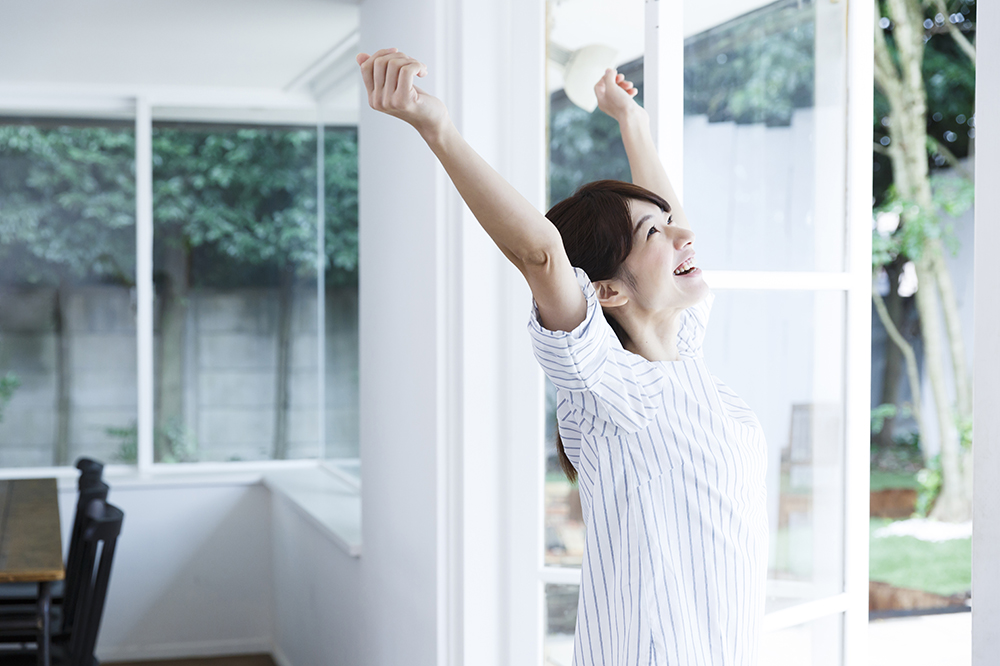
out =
column 639, row 223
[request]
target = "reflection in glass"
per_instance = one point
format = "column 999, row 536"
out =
column 816, row 643
column 236, row 313
column 560, row 623
column 764, row 109
column 784, row 353
column 67, row 305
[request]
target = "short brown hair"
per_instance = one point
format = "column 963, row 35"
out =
column 596, row 228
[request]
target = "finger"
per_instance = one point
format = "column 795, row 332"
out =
column 406, row 73
column 379, row 72
column 619, row 78
column 392, row 67
column 367, row 67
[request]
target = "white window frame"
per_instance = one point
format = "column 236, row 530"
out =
column 664, row 79
column 147, row 106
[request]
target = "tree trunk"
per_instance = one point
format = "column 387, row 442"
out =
column 173, row 304
column 903, row 85
column 286, row 295
column 906, row 351
column 951, row 504
column 892, row 372
column 64, row 375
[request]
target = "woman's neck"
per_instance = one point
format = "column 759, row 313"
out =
column 652, row 335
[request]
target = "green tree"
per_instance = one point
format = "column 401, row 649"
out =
column 67, row 209
column 240, row 201
column 922, row 51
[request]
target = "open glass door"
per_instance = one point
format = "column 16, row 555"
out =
column 769, row 175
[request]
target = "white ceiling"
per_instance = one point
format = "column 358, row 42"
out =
column 219, row 43
column 222, row 53
column 620, row 24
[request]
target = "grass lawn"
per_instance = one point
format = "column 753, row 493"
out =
column 884, row 480
column 942, row 568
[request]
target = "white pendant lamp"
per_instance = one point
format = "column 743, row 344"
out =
column 582, row 69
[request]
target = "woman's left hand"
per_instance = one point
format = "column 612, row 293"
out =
column 615, row 95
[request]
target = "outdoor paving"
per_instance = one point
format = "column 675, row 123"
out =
column 929, row 640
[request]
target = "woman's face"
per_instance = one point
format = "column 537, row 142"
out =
column 662, row 262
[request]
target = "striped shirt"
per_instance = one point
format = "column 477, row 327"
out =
column 671, row 470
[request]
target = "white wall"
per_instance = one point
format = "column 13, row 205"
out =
column 451, row 400
column 986, row 498
column 192, row 570
column 317, row 593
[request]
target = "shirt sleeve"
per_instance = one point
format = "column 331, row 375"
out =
column 615, row 386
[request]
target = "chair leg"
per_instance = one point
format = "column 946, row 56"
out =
column 44, row 608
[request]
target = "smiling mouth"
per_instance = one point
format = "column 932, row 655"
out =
column 687, row 267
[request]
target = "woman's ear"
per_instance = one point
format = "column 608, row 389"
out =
column 609, row 295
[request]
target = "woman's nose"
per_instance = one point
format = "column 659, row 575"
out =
column 682, row 237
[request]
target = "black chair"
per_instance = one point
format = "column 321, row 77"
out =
column 90, row 487
column 83, row 606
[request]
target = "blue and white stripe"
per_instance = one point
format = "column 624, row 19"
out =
column 671, row 467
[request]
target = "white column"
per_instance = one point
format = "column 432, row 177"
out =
column 986, row 426
column 450, row 434
column 860, row 74
column 663, row 81
column 144, row 279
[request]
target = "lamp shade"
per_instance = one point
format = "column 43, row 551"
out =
column 584, row 68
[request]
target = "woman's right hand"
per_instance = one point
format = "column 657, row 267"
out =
column 616, row 96
column 388, row 75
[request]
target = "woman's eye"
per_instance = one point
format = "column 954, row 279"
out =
column 670, row 220
column 652, row 230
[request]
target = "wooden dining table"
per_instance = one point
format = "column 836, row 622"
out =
column 31, row 545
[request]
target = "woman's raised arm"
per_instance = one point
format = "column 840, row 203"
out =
column 522, row 233
column 615, row 98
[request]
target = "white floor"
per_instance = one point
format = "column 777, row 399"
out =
column 929, row 640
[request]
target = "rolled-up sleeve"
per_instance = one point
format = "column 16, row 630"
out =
column 609, row 383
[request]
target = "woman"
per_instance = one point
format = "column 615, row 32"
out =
column 670, row 461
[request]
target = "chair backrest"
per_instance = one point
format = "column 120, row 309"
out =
column 102, row 525
column 90, row 472
column 74, row 561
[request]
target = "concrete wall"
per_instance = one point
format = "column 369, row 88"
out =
column 229, row 360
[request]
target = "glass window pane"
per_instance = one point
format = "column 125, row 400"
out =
column 67, row 297
column 585, row 145
column 764, row 148
column 816, row 643
column 341, row 279
column 236, row 309
column 783, row 352
column 560, row 623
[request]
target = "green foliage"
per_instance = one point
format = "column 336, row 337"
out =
column 884, row 412
column 756, row 69
column 128, row 442
column 175, row 443
column 919, row 226
column 240, row 198
column 67, row 204
column 8, row 384
column 949, row 80
column 929, row 482
column 584, row 147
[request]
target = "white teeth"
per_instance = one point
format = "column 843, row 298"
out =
column 688, row 264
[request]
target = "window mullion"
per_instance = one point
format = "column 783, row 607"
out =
column 144, row 280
